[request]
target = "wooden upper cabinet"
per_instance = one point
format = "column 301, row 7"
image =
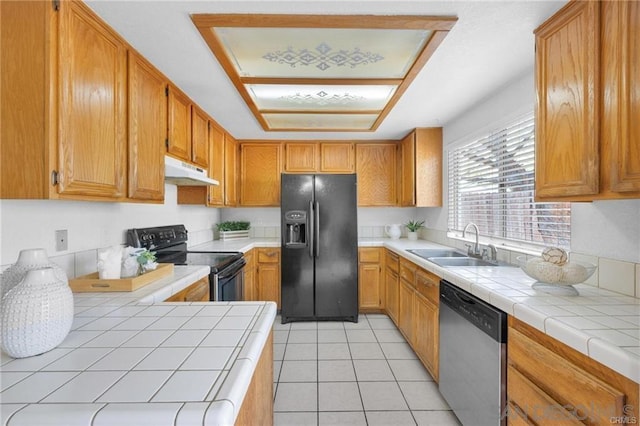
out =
column 621, row 76
column 421, row 168
column 260, row 168
column 376, row 169
column 587, row 82
column 216, row 166
column 147, row 129
column 300, row 157
column 64, row 82
column 199, row 137
column 231, row 165
column 336, row 157
column 319, row 157
column 92, row 153
column 179, row 127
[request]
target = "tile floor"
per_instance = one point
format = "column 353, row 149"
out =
column 335, row 373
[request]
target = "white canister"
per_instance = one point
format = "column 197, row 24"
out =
column 36, row 314
column 393, row 231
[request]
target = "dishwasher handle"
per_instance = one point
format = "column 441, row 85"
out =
column 487, row 318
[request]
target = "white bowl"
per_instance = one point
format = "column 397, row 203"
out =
column 568, row 274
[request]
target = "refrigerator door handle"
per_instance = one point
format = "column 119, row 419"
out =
column 317, row 229
column 311, row 230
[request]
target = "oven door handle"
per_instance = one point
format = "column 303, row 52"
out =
column 232, row 269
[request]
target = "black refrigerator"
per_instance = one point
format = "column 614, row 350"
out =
column 319, row 248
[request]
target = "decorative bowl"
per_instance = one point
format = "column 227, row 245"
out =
column 570, row 273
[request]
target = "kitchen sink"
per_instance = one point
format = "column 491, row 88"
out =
column 427, row 253
column 461, row 261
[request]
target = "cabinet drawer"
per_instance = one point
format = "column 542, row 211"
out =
column 531, row 402
column 196, row 292
column 391, row 260
column 428, row 285
column 408, row 272
column 369, row 255
column 563, row 381
column 268, row 255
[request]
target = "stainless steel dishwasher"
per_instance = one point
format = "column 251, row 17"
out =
column 473, row 362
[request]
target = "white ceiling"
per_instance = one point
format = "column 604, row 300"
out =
column 491, row 44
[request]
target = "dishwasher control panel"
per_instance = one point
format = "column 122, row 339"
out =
column 487, row 318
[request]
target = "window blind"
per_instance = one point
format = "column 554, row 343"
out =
column 491, row 183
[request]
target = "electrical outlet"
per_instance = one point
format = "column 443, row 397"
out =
column 61, row 240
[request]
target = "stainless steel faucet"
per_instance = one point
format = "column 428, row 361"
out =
column 476, row 247
column 494, row 252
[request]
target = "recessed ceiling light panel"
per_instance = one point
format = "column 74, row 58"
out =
column 286, row 97
column 338, row 72
column 322, row 52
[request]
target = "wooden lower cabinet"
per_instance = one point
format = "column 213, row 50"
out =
column 250, row 288
column 392, row 284
column 426, row 336
column 268, row 274
column 405, row 310
column 370, row 282
column 196, row 292
column 550, row 383
column 257, row 407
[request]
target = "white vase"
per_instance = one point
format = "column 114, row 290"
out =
column 412, row 235
column 393, row 231
column 36, row 314
column 28, row 259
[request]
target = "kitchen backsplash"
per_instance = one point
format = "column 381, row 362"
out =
column 615, row 275
column 85, row 262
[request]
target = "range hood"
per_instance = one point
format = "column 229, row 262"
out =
column 178, row 172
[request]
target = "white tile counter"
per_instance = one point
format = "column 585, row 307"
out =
column 598, row 323
column 131, row 359
column 243, row 245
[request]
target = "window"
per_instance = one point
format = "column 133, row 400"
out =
column 491, row 183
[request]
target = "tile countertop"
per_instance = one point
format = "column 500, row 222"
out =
column 601, row 324
column 598, row 323
column 131, row 359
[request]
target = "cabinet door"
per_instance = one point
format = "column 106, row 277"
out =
column 92, row 110
column 405, row 310
column 269, row 282
column 337, row 158
column 428, row 167
column 391, row 294
column 567, row 119
column 196, row 292
column 199, row 137
column 147, row 129
column 260, row 174
column 408, row 171
column 369, row 286
column 301, row 157
column 230, row 171
column 179, row 142
column 376, row 168
column 250, row 290
column 621, row 74
column 370, row 278
column 426, row 334
column 216, row 166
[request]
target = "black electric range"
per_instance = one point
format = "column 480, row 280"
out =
column 169, row 243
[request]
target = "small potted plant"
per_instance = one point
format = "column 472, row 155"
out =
column 147, row 261
column 413, row 226
column 232, row 230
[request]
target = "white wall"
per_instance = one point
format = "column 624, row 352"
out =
column 608, row 229
column 91, row 225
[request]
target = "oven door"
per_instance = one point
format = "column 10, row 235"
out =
column 228, row 284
